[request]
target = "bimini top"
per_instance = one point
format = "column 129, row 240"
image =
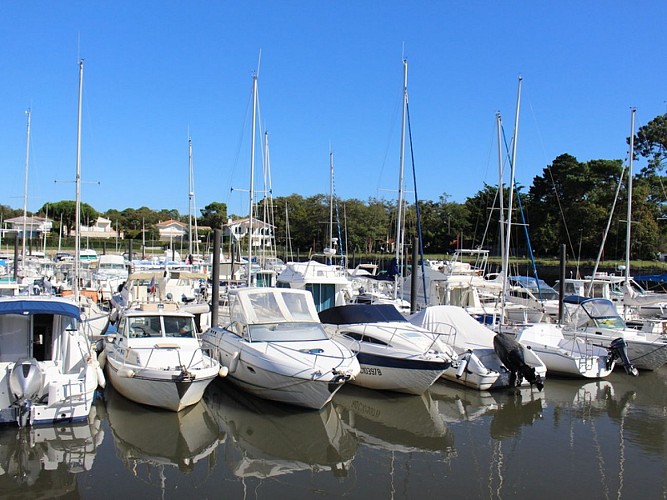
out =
column 361, row 313
column 39, row 305
column 576, row 299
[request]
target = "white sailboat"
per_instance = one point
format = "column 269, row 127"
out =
column 484, row 355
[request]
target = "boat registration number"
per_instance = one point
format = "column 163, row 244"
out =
column 371, row 371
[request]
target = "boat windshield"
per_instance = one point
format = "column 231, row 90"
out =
column 603, row 314
column 286, row 332
column 151, row 326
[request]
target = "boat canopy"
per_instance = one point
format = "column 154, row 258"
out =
column 361, row 313
column 31, row 307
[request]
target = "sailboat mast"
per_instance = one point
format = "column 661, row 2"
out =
column 77, row 211
column 629, row 216
column 331, row 201
column 190, row 195
column 401, row 171
column 252, row 174
column 25, row 190
column 501, row 200
column 506, row 256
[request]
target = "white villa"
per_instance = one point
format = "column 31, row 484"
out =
column 34, row 226
column 261, row 233
column 172, row 230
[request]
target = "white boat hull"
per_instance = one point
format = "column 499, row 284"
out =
column 63, row 398
column 165, row 389
column 644, row 354
column 410, row 376
column 571, row 357
column 484, row 371
column 170, row 374
column 269, row 373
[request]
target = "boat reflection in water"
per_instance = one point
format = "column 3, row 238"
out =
column 394, row 422
column 149, row 440
column 508, row 409
column 268, row 439
column 44, row 461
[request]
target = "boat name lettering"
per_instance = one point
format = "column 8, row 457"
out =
column 364, row 409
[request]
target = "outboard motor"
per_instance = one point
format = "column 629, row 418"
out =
column 510, row 353
column 618, row 350
column 25, row 382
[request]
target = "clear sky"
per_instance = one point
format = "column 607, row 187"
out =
column 330, row 78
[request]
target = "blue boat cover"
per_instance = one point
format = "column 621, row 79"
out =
column 361, row 313
column 29, row 307
column 576, row 299
column 658, row 278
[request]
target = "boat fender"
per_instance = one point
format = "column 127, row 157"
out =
column 102, row 359
column 463, row 362
column 101, row 380
column 223, row 371
column 476, row 366
column 126, row 372
column 234, row 362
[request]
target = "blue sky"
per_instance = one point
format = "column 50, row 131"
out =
column 330, row 77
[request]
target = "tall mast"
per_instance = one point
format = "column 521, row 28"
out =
column 629, row 216
column 510, row 202
column 501, row 201
column 25, row 190
column 399, row 227
column 252, row 174
column 331, row 204
column 190, row 196
column 77, row 212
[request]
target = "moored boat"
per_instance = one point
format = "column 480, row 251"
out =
column 275, row 347
column 155, row 358
column 47, row 363
column 394, row 354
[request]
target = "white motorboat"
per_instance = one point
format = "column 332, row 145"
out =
column 48, row 369
column 155, row 358
column 275, row 347
column 182, row 289
column 327, row 282
column 596, row 320
column 394, row 355
column 480, row 366
column 571, row 356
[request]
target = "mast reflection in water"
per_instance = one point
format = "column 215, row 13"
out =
column 596, row 439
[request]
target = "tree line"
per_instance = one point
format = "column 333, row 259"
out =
column 573, row 203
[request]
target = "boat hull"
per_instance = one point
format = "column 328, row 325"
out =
column 309, row 383
column 406, row 375
column 167, row 389
column 643, row 354
column 64, row 397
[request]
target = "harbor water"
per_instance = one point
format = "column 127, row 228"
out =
column 575, row 439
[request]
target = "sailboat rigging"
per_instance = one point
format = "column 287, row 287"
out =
column 77, row 216
column 25, row 193
column 400, row 242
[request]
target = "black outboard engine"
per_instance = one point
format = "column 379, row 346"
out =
column 618, row 350
column 510, row 353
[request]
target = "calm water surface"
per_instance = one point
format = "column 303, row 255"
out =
column 577, row 439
